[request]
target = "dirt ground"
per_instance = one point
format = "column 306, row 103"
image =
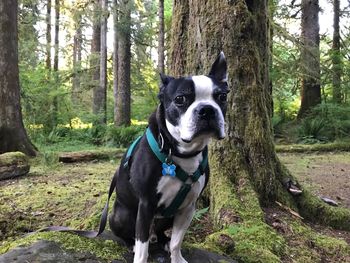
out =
column 327, row 174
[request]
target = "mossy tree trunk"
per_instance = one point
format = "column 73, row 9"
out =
column 13, row 136
column 245, row 170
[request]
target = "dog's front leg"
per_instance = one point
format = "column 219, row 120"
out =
column 182, row 221
column 144, row 219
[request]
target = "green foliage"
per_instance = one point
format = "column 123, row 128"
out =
column 326, row 122
column 311, row 130
column 200, row 213
column 80, row 138
column 123, row 136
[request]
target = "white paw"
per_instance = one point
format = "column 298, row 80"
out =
column 178, row 259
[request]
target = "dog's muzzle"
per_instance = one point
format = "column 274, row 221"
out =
column 207, row 121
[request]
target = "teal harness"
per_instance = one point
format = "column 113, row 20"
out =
column 170, row 169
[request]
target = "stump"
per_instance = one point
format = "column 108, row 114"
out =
column 13, row 164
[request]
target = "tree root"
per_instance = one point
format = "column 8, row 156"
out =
column 316, row 211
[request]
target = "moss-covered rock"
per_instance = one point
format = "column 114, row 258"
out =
column 13, row 164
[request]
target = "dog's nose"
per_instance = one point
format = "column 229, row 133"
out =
column 206, row 112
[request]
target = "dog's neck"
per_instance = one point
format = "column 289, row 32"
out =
column 172, row 142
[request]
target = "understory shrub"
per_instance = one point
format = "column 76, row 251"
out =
column 326, row 122
column 107, row 135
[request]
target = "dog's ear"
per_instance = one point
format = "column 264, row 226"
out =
column 165, row 79
column 219, row 68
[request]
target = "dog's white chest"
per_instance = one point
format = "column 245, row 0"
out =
column 169, row 186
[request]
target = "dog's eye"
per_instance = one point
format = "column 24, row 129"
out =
column 222, row 97
column 180, row 100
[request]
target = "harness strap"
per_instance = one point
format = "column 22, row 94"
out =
column 178, row 200
column 154, row 146
column 130, row 151
column 180, row 174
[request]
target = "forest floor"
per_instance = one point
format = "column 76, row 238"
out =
column 74, row 194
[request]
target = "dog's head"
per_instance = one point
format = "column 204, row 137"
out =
column 194, row 107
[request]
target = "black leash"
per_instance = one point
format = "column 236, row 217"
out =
column 87, row 233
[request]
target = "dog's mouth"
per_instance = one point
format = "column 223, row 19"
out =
column 206, row 132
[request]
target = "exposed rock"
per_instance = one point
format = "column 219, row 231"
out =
column 49, row 252
column 13, row 164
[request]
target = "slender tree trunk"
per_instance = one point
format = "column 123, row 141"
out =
column 77, row 46
column 115, row 59
column 48, row 34
column 13, row 136
column 54, row 110
column 310, row 57
column 161, row 33
column 336, row 56
column 95, row 60
column 102, row 92
column 245, row 170
column 124, row 56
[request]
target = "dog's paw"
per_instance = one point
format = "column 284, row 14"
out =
column 178, row 259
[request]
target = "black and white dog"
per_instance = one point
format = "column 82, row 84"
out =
column 191, row 112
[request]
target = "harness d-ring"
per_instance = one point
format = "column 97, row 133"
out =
column 161, row 141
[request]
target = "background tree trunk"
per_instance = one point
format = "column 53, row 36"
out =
column 13, row 136
column 122, row 116
column 95, row 56
column 54, row 110
column 245, row 170
column 115, row 58
column 77, row 46
column 336, row 56
column 48, row 35
column 101, row 91
column 161, row 33
column 310, row 57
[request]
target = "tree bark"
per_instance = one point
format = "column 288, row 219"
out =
column 95, row 60
column 245, row 170
column 336, row 55
column 77, row 46
column 54, row 110
column 122, row 116
column 102, row 92
column 13, row 136
column 115, row 59
column 310, row 57
column 161, row 33
column 48, row 35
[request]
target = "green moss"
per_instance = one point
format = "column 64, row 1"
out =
column 10, row 158
column 332, row 246
column 254, row 241
column 305, row 148
column 107, row 250
column 231, row 189
column 69, row 195
column 315, row 210
column 308, row 246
